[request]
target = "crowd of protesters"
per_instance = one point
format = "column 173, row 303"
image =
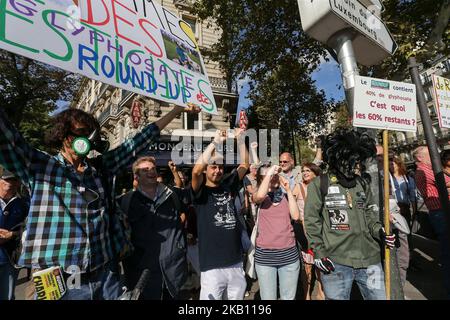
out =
column 211, row 229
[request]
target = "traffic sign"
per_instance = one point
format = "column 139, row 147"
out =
column 321, row 19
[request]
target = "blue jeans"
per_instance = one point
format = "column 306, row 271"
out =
column 101, row 285
column 267, row 279
column 8, row 277
column 337, row 285
column 439, row 224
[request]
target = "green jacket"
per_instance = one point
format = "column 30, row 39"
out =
column 347, row 234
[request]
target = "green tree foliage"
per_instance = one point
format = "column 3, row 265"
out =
column 262, row 40
column 342, row 117
column 420, row 28
column 29, row 91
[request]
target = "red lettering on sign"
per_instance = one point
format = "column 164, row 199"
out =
column 116, row 19
column 90, row 12
column 141, row 23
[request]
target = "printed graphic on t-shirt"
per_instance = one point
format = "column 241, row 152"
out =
column 225, row 216
column 339, row 219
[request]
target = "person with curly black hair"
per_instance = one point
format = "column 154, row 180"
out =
column 72, row 223
column 342, row 222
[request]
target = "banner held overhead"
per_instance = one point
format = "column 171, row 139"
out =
column 135, row 45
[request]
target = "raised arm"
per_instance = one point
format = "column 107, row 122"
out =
column 243, row 153
column 176, row 176
column 254, row 152
column 293, row 207
column 202, row 161
column 263, row 189
column 123, row 155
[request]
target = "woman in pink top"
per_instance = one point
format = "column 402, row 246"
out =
column 309, row 172
column 276, row 250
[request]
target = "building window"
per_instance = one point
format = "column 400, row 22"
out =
column 191, row 121
column 192, row 23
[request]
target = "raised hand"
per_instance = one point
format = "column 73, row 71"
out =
column 254, row 145
column 284, row 183
column 172, row 166
column 275, row 169
column 220, row 136
column 192, row 108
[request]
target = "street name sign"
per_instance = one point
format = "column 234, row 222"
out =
column 321, row 19
column 383, row 104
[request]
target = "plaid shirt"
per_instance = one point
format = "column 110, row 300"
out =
column 70, row 222
column 427, row 186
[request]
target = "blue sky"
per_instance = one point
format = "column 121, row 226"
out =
column 327, row 78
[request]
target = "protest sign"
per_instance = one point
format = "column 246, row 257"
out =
column 134, row 45
column 383, row 104
column 441, row 92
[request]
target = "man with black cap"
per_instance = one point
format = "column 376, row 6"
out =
column 13, row 211
column 72, row 222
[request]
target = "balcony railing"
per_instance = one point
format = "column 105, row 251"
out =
column 104, row 115
column 187, row 4
column 218, row 84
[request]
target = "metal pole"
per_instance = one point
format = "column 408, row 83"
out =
column 431, row 140
column 387, row 223
column 341, row 42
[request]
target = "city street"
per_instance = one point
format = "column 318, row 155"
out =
column 424, row 280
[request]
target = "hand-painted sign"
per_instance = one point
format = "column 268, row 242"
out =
column 135, row 45
column 383, row 104
column 441, row 89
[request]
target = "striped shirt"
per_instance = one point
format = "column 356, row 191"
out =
column 276, row 257
column 427, row 186
column 70, row 221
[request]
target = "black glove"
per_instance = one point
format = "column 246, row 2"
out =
column 388, row 239
column 324, row 264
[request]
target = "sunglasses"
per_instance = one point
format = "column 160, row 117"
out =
column 284, row 161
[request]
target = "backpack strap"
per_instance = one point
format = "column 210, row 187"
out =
column 176, row 201
column 324, row 184
column 126, row 201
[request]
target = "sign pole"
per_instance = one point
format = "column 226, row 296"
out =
column 387, row 253
column 341, row 42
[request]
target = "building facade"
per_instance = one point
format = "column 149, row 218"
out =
column 113, row 106
column 404, row 143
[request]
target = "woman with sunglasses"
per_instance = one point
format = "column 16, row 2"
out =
column 276, row 251
column 309, row 172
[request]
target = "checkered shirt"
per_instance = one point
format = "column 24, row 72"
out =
column 69, row 222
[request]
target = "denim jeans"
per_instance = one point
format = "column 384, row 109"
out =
column 8, row 277
column 439, row 224
column 267, row 279
column 103, row 284
column 337, row 285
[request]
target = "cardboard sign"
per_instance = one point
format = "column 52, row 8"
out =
column 134, row 45
column 441, row 92
column 383, row 104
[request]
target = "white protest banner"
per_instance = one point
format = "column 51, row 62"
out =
column 441, row 92
column 383, row 104
column 135, row 45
